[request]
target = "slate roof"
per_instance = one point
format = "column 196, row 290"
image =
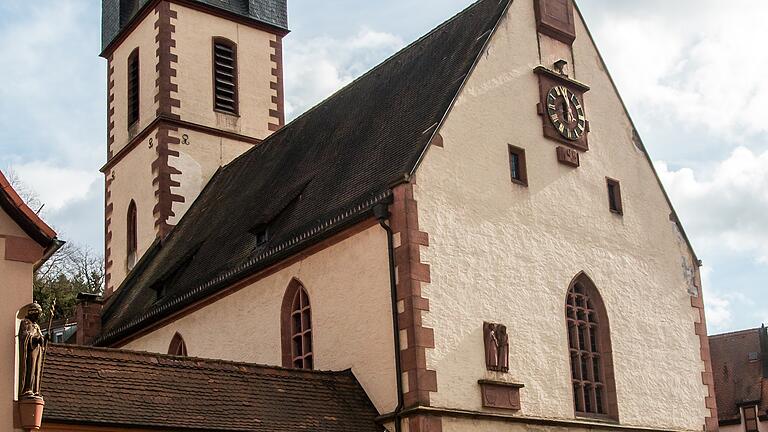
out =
column 322, row 172
column 117, row 14
column 740, row 378
column 98, row 386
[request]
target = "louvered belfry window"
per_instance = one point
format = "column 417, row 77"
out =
column 133, row 87
column 594, row 393
column 225, row 76
column 301, row 331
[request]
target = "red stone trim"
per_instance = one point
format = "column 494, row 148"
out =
column 711, row 423
column 29, row 221
column 110, row 106
column 166, row 61
column 277, row 117
column 411, row 273
column 163, row 181
column 108, row 210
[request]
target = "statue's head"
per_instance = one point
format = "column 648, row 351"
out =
column 33, row 312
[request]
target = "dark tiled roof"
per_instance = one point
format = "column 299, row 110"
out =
column 121, row 388
column 740, row 365
column 324, row 170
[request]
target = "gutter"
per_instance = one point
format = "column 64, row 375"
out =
column 381, row 212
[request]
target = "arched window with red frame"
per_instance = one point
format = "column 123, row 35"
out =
column 589, row 344
column 178, row 347
column 132, row 236
column 296, row 328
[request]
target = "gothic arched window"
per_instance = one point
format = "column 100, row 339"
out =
column 296, row 323
column 589, row 343
column 132, row 236
column 225, row 98
column 177, row 347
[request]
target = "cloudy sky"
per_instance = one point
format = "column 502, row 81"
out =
column 691, row 71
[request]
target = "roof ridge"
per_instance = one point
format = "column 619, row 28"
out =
column 735, row 333
column 352, row 83
column 137, row 355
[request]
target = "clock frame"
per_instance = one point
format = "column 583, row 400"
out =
column 547, row 81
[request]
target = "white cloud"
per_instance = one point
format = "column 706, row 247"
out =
column 725, row 211
column 697, row 66
column 56, row 186
column 316, row 68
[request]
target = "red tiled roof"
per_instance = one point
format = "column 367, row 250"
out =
column 23, row 215
column 739, row 379
column 97, row 386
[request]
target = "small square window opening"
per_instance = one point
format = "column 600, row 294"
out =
column 517, row 165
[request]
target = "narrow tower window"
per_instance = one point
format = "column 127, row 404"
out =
column 614, row 196
column 517, row 166
column 132, row 236
column 225, row 76
column 177, row 347
column 133, row 87
column 589, row 343
column 296, row 323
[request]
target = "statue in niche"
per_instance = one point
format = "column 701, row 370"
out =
column 32, row 345
column 496, row 347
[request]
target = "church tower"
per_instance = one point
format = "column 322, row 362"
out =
column 192, row 84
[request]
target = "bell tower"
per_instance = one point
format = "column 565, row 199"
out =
column 192, row 84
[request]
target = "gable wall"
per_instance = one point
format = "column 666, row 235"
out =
column 349, row 289
column 504, row 253
column 16, row 292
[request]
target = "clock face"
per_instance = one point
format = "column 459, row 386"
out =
column 566, row 113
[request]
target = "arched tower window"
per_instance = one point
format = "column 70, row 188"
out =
column 133, row 87
column 589, row 343
column 225, row 98
column 296, row 328
column 132, row 236
column 178, row 347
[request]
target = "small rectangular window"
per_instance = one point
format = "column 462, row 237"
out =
column 133, row 87
column 225, row 76
column 517, row 166
column 750, row 419
column 614, row 196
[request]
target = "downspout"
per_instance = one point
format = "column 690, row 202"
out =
column 381, row 212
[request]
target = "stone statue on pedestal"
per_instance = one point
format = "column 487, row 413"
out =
column 32, row 345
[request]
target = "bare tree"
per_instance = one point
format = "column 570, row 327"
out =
column 71, row 270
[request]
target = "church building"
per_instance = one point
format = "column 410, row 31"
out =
column 470, row 237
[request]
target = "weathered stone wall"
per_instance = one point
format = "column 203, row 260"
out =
column 506, row 253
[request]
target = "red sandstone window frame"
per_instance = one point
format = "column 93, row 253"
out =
column 589, row 351
column 132, row 236
column 518, row 168
column 614, row 196
column 177, row 346
column 296, row 328
column 133, row 84
column 219, row 85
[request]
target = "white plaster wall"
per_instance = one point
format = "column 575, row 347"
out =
column 198, row 160
column 506, row 253
column 194, row 38
column 132, row 181
column 15, row 292
column 348, row 285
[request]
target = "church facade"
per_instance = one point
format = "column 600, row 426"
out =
column 473, row 229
